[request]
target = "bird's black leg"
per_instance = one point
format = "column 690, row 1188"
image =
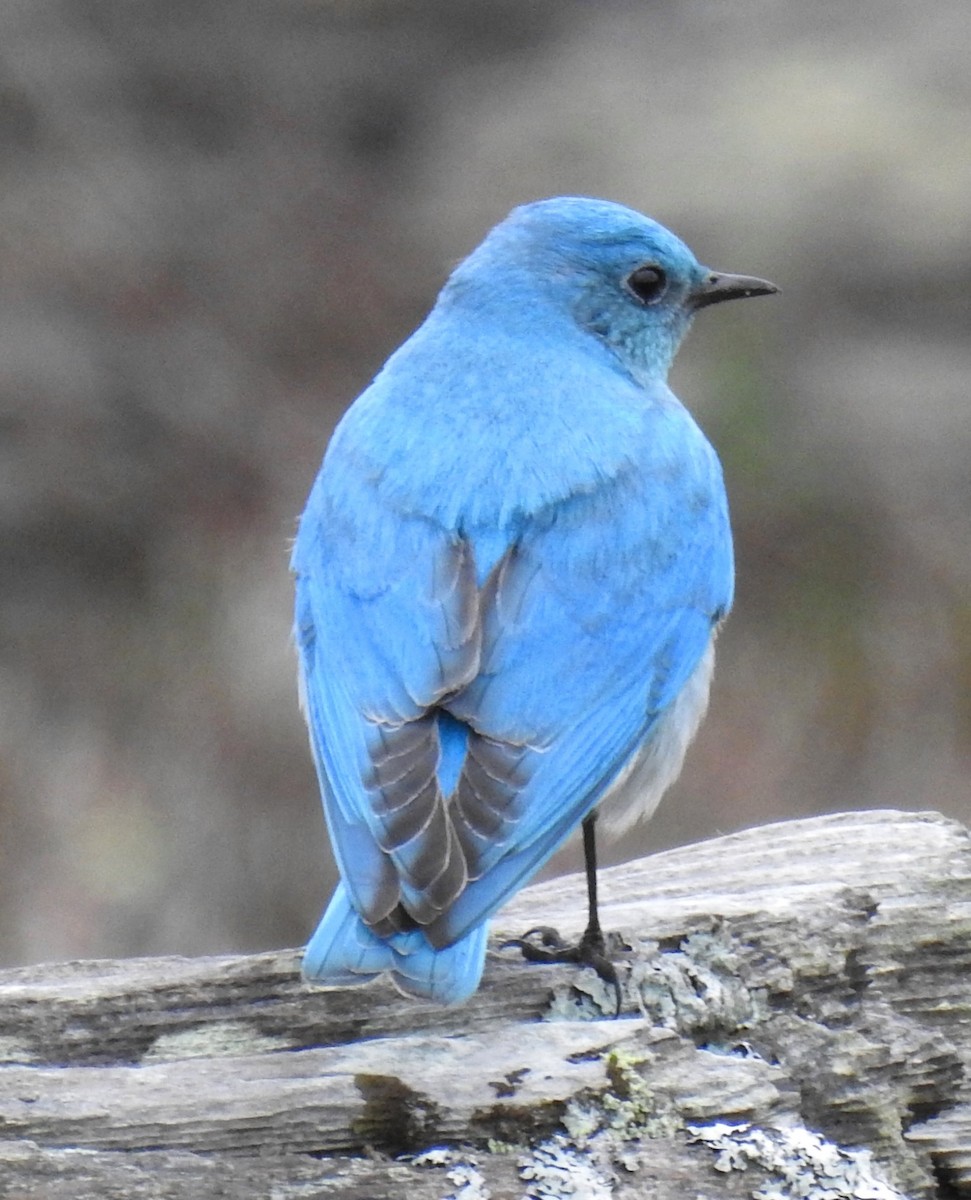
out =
column 591, row 950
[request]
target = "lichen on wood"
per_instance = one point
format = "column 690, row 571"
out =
column 797, row 1000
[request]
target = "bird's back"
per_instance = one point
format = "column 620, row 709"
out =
column 480, row 425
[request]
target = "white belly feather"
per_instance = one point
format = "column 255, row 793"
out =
column 637, row 790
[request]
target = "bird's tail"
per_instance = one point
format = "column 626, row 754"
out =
column 344, row 951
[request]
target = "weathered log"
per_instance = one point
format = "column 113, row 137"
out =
column 797, row 1015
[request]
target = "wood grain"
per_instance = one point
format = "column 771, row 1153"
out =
column 810, row 977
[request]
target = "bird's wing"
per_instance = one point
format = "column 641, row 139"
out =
column 587, row 628
column 387, row 623
column 597, row 618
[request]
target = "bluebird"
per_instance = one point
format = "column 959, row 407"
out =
column 509, row 576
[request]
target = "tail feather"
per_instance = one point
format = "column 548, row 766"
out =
column 344, row 951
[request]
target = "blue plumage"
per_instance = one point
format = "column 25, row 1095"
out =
column 509, row 574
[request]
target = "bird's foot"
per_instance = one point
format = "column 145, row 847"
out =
column 545, row 945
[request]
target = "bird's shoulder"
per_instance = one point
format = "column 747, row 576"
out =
column 490, row 440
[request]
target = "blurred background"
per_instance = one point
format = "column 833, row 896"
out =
column 216, row 221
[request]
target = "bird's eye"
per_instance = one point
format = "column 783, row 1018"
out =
column 647, row 283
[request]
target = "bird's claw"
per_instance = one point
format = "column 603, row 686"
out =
column 549, row 938
column 590, row 951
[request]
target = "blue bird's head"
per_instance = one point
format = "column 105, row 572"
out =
column 616, row 274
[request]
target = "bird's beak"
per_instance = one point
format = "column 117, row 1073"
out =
column 717, row 286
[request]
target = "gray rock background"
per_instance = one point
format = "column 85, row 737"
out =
column 217, row 219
